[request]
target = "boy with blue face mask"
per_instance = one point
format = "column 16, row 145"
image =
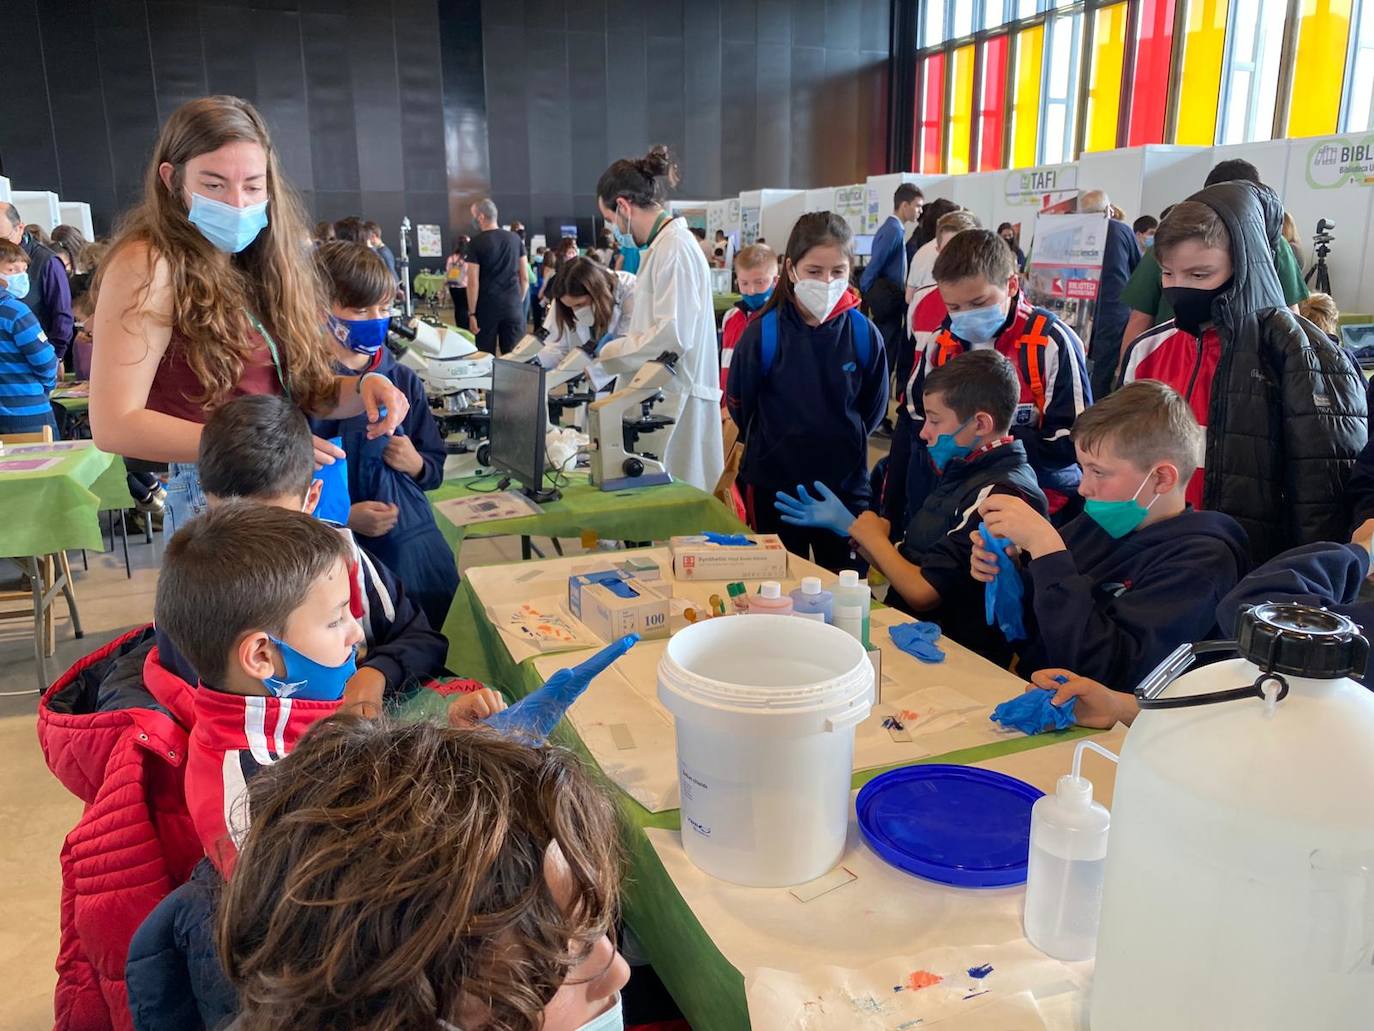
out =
column 388, row 476
column 976, row 276
column 29, row 359
column 968, row 405
column 1117, row 588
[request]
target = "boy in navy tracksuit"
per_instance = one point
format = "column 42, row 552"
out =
column 976, row 276
column 1139, row 572
column 387, row 477
column 968, row 405
column 258, row 448
column 807, row 385
column 1327, row 575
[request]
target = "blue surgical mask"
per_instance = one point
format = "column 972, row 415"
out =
column 612, row 1020
column 229, row 228
column 757, row 301
column 17, row 284
column 978, row 325
column 1149, row 240
column 625, row 237
column 946, row 448
column 308, row 679
column 1118, row 518
column 366, row 336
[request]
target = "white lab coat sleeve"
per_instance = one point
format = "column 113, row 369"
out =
column 627, row 353
column 556, row 344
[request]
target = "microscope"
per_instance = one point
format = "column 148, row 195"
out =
column 615, row 464
column 456, row 375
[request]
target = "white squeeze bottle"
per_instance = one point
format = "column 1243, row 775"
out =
column 1068, row 855
column 851, row 605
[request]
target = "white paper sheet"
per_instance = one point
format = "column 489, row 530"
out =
column 984, row 986
column 542, row 625
column 484, row 508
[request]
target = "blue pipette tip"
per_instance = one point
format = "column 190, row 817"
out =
column 1061, row 679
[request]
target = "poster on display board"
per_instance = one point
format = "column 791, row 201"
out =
column 1040, row 188
column 749, row 225
column 1345, row 160
column 1065, row 269
column 851, row 204
column 429, row 242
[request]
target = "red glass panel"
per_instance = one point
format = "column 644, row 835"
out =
column 1150, row 91
column 933, row 114
column 992, row 104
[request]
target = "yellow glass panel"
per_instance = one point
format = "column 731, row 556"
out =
column 1104, row 80
column 960, row 110
column 1323, row 31
column 1204, row 51
column 1025, row 103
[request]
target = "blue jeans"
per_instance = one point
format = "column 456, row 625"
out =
column 185, row 499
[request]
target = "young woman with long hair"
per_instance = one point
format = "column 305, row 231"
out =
column 205, row 295
column 589, row 304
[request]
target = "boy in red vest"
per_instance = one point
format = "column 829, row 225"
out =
column 976, row 277
column 756, row 273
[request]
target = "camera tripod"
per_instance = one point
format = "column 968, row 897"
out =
column 1319, row 276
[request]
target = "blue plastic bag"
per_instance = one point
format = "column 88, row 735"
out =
column 533, row 718
column 1002, row 597
column 1033, row 712
column 334, row 500
column 918, row 639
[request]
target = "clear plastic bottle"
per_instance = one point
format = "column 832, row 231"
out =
column 852, row 605
column 1068, row 855
column 810, row 601
column 770, row 600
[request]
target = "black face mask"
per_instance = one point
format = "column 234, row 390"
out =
column 1193, row 307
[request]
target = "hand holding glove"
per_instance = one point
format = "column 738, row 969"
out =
column 827, row 511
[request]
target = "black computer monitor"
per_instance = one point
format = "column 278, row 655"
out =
column 519, row 418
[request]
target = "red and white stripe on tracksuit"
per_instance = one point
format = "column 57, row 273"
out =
column 1186, row 363
column 233, row 737
column 736, row 321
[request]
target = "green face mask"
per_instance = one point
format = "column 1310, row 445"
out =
column 1118, row 518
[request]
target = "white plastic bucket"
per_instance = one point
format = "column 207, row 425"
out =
column 765, row 709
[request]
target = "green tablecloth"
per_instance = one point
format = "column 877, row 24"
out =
column 73, row 404
column 55, row 509
column 723, row 302
column 708, row 989
column 428, row 284
column 641, row 514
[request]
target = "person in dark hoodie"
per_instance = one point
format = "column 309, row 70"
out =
column 388, row 476
column 969, row 403
column 807, row 385
column 1283, row 406
column 1139, row 572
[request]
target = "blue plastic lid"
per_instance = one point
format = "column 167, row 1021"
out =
column 953, row 824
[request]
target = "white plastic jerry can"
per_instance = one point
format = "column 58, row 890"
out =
column 1239, row 883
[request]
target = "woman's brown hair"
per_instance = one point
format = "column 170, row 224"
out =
column 817, row 229
column 584, row 277
column 270, row 277
column 642, row 181
column 394, row 875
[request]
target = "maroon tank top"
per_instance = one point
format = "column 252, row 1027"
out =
column 175, row 387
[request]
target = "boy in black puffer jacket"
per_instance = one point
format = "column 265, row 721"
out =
column 1283, row 406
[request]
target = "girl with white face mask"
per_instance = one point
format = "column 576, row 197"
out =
column 591, row 305
column 808, row 384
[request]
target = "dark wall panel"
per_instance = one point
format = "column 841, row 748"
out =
column 749, row 93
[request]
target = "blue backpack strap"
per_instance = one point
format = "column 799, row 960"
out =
column 863, row 336
column 768, row 327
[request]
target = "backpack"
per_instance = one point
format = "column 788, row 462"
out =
column 859, row 326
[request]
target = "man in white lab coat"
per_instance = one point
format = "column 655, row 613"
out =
column 672, row 312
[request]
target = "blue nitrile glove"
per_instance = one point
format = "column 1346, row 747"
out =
column 1033, row 712
column 827, row 511
column 918, row 639
column 533, row 717
column 729, row 540
column 1002, row 596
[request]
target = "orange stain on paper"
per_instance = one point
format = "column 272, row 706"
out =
column 922, row 979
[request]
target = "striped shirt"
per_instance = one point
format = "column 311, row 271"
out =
column 28, row 366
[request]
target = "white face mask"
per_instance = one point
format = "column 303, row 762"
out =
column 819, row 296
column 584, row 318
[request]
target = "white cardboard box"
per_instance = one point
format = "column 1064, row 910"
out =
column 696, row 558
column 611, row 616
